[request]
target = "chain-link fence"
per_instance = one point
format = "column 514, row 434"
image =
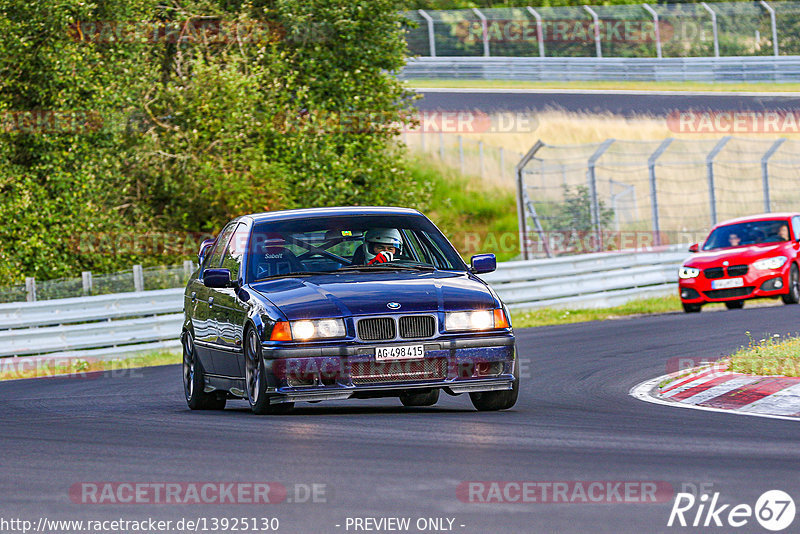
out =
column 758, row 28
column 135, row 279
column 631, row 194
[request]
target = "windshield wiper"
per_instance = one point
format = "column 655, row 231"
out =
column 387, row 267
column 289, row 275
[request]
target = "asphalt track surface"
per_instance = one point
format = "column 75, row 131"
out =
column 574, row 421
column 619, row 103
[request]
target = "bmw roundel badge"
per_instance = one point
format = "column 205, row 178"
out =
column 393, row 305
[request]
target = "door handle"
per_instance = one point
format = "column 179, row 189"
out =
column 210, row 301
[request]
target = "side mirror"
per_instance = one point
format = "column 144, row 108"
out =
column 217, row 278
column 483, row 263
column 205, row 248
column 694, row 248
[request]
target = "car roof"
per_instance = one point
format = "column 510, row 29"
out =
column 760, row 217
column 311, row 213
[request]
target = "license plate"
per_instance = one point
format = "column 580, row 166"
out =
column 404, row 352
column 726, row 283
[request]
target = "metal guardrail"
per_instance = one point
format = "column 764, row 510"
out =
column 700, row 69
column 110, row 325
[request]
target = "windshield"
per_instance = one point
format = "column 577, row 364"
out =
column 311, row 246
column 748, row 233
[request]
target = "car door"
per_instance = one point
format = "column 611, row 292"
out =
column 202, row 297
column 229, row 311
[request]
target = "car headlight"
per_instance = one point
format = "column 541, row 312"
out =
column 317, row 329
column 770, row 263
column 475, row 320
column 688, row 272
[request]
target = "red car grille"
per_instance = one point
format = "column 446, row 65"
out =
column 728, row 293
column 398, row 371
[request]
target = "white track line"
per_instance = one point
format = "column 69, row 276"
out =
column 602, row 92
column 642, row 392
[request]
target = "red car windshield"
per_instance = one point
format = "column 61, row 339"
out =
column 748, row 233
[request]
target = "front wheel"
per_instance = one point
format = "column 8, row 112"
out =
column 256, row 380
column 489, row 401
column 692, row 308
column 793, row 297
column 194, row 380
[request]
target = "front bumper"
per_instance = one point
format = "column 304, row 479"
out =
column 756, row 284
column 460, row 365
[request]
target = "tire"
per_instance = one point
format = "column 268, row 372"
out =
column 692, row 308
column 425, row 398
column 255, row 379
column 490, row 401
column 793, row 297
column 194, row 380
column 734, row 304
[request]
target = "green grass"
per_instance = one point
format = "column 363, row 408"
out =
column 609, row 85
column 772, row 355
column 12, row 369
column 553, row 316
column 475, row 216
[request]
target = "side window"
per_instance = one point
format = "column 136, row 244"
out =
column 215, row 259
column 232, row 259
column 796, row 227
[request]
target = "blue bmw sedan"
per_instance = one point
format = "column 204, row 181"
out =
column 340, row 303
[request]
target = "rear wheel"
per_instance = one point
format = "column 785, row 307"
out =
column 489, row 401
column 194, row 380
column 793, row 297
column 734, row 304
column 256, row 380
column 425, row 398
column 692, row 308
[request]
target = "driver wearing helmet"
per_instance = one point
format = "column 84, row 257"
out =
column 381, row 245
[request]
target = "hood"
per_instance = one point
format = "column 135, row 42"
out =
column 736, row 256
column 351, row 294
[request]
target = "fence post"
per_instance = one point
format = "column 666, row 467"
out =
column 592, row 178
column 30, row 288
column 431, row 39
column 502, row 164
column 713, row 27
column 519, row 170
column 539, row 33
column 765, row 172
column 651, row 169
column 188, row 268
column 657, row 29
column 710, row 166
column 422, row 139
column 86, row 278
column 773, row 26
column 138, row 278
column 461, row 152
column 441, row 146
column 484, row 30
column 597, row 46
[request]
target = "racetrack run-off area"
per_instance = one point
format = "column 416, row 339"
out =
column 574, row 423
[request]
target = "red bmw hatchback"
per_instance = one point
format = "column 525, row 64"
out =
column 745, row 258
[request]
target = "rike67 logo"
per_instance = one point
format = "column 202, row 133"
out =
column 774, row 510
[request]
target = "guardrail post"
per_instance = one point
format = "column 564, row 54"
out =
column 713, row 27
column 519, row 171
column 86, row 279
column 657, row 28
column 592, row 178
column 765, row 172
column 651, row 168
column 539, row 33
column 773, row 26
column 138, row 278
column 188, row 268
column 30, row 289
column 710, row 166
column 485, row 30
column 431, row 38
column 598, row 47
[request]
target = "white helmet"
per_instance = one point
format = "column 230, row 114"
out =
column 382, row 236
